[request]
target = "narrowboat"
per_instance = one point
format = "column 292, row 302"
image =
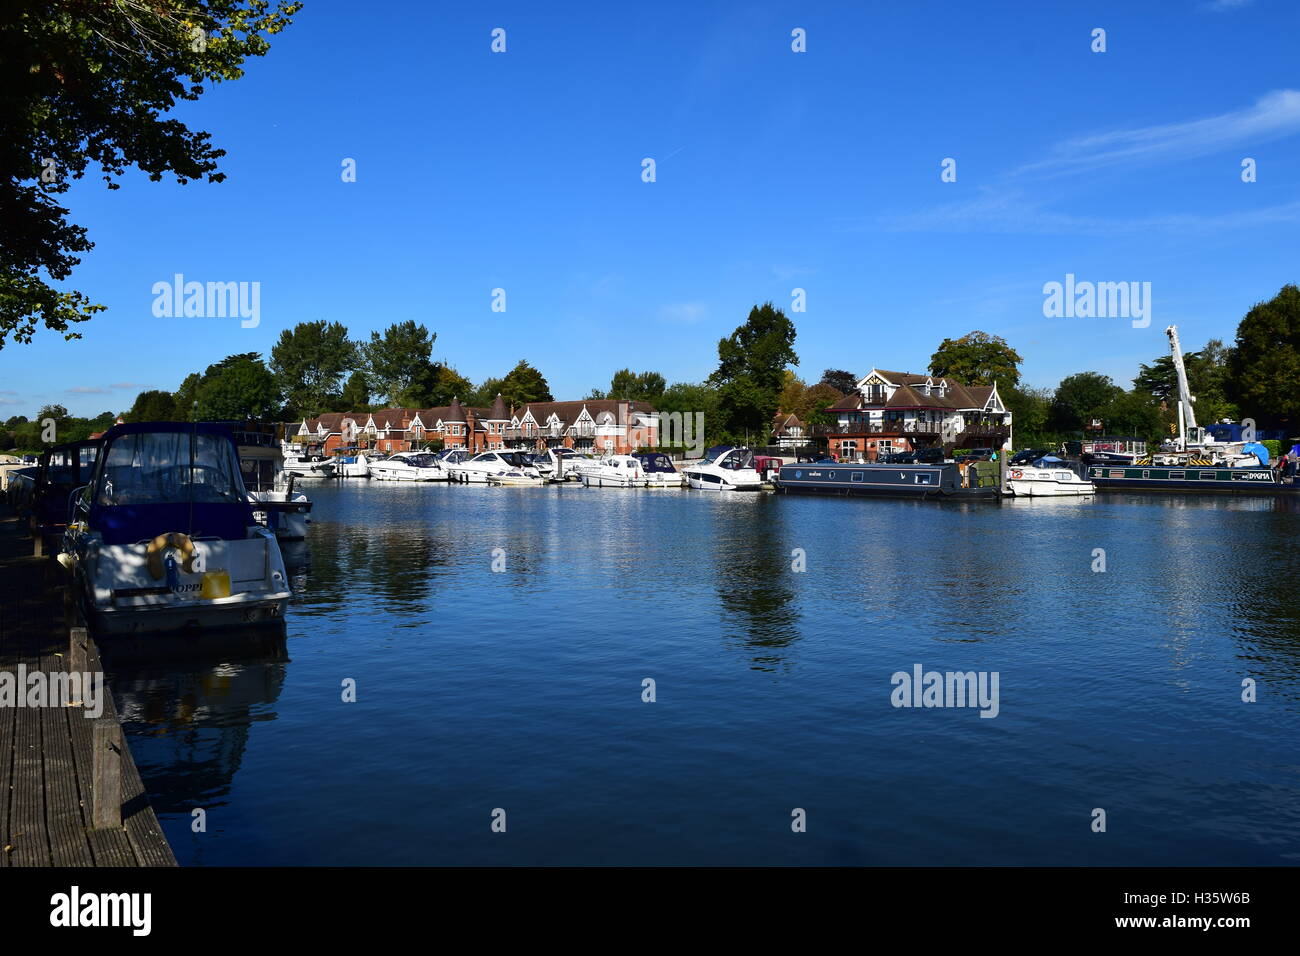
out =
column 941, row 481
column 1192, row 477
column 163, row 538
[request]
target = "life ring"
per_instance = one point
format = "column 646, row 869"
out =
column 1017, row 474
column 154, row 553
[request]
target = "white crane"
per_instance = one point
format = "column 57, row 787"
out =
column 1186, row 416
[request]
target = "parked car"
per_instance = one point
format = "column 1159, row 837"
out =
column 1027, row 455
column 976, row 454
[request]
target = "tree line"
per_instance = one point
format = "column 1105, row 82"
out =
column 316, row 367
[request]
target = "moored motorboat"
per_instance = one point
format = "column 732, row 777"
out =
column 724, row 468
column 163, row 537
column 305, row 464
column 660, row 471
column 1045, row 477
column 478, row 468
column 407, row 466
column 276, row 503
column 616, row 471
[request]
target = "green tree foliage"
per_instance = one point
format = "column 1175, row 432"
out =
column 1264, row 366
column 154, row 405
column 397, row 358
column 238, row 388
column 309, row 361
column 751, row 371
column 1207, row 377
column 483, row 396
column 688, row 398
column 977, row 358
column 1080, row 398
column 434, row 386
column 356, row 394
column 1133, row 413
column 524, row 384
column 633, row 386
column 93, row 82
column 1030, row 412
column 840, row 380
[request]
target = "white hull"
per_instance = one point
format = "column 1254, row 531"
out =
column 379, row 473
column 516, row 481
column 734, row 482
column 1049, row 489
column 309, row 469
column 606, row 481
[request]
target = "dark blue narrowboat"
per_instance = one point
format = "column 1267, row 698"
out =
column 1196, row 478
column 940, row 481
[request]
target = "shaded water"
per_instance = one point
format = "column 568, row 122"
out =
column 522, row 689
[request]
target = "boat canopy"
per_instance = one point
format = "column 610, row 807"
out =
column 152, row 478
column 656, row 462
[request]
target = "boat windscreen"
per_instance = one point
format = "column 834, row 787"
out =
column 656, row 463
column 422, row 461
column 157, row 468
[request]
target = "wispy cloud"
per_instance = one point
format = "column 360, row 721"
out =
column 127, row 385
column 1273, row 116
column 686, row 313
column 87, row 390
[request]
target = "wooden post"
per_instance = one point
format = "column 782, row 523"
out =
column 77, row 657
column 106, row 775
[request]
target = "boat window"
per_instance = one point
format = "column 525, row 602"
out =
column 156, row 467
column 924, row 478
column 856, row 476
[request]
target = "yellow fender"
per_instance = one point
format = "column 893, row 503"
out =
column 154, row 553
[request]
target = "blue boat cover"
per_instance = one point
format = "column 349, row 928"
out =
column 1256, row 449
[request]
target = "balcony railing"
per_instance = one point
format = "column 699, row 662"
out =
column 879, row 428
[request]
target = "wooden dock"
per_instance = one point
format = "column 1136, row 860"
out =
column 70, row 794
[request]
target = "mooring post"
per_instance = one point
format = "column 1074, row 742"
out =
column 77, row 656
column 106, row 775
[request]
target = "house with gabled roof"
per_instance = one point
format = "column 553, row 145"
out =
column 904, row 411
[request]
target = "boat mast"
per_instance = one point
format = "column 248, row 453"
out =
column 1186, row 416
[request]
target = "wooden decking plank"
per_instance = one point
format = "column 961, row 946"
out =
column 27, row 814
column 64, row 818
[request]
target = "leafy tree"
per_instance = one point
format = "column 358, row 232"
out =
column 818, row 398
column 751, row 371
column 187, row 396
column 524, row 384
column 1132, row 413
column 356, row 393
column 1207, row 377
column 483, row 396
column 308, row 362
column 840, row 380
column 395, row 359
column 636, row 386
column 57, row 412
column 977, row 358
column 1030, row 413
column 154, row 405
column 1263, row 372
column 435, row 385
column 1079, row 398
column 238, row 388
column 15, row 421
column 94, row 83
column 689, row 398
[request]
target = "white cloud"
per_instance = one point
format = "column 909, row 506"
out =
column 1274, row 115
column 686, row 313
column 87, row 390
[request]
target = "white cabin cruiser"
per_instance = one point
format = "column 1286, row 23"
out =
column 163, row 538
column 276, row 504
column 302, row 464
column 408, row 466
column 351, row 463
column 517, row 476
column 724, row 468
column 1046, row 477
column 480, row 467
column 616, row 471
column 660, row 471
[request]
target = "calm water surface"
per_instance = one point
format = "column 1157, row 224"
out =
column 522, row 689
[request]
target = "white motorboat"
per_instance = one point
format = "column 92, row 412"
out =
column 1046, row 477
column 306, row 465
column 480, row 467
column 163, row 538
column 516, row 476
column 724, row 468
column 271, row 492
column 615, row 471
column 351, row 463
column 408, row 466
column 660, row 471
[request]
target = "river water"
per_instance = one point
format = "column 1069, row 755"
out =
column 508, row 685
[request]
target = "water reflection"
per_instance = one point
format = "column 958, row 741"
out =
column 753, row 565
column 190, row 722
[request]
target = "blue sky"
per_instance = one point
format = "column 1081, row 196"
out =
column 775, row 170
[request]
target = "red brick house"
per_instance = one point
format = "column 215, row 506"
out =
column 903, row 411
column 598, row 426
